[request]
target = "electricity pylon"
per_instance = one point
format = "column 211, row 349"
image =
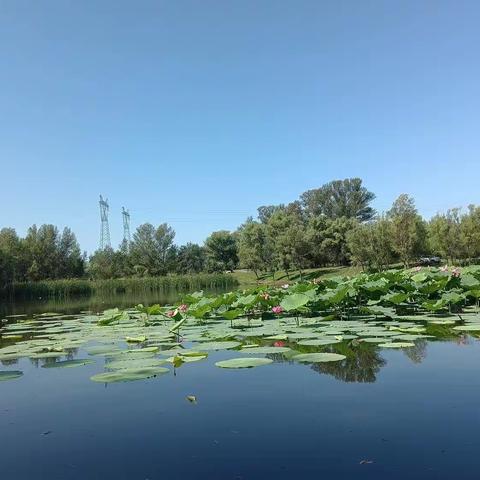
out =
column 126, row 226
column 104, row 229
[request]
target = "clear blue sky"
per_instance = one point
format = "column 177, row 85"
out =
column 196, row 112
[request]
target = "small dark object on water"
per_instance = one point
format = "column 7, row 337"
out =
column 365, row 462
column 192, row 398
column 47, row 432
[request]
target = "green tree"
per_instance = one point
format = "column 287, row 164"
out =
column 70, row 263
column 444, row 233
column 340, row 198
column 470, row 232
column 370, row 244
column 191, row 258
column 221, row 251
column 289, row 240
column 408, row 229
column 150, row 248
column 102, row 264
column 253, row 246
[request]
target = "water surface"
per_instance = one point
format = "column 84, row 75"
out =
column 390, row 414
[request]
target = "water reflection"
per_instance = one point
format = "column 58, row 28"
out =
column 362, row 365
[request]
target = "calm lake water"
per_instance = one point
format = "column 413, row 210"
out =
column 390, row 414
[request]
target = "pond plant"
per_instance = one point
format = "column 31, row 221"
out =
column 335, row 320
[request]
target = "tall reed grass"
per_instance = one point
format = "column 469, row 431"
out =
column 76, row 287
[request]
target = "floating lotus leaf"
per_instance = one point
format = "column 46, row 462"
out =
column 468, row 328
column 243, row 362
column 103, row 350
column 319, row 341
column 396, row 345
column 299, row 336
column 69, row 363
column 217, row 345
column 277, row 337
column 265, row 350
column 318, row 357
column 9, row 375
column 135, row 339
column 47, row 355
column 129, row 374
column 134, row 363
column 374, row 340
column 186, row 359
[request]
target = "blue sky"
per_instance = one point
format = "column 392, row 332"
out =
column 197, row 112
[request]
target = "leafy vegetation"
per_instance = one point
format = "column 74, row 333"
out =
column 343, row 321
column 71, row 287
column 330, row 226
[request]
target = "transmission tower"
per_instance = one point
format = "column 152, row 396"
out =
column 126, row 226
column 105, row 229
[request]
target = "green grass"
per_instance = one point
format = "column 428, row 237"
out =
column 248, row 278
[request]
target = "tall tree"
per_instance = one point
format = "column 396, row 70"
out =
column 191, row 258
column 370, row 244
column 470, row 232
column 221, row 251
column 445, row 235
column 408, row 229
column 253, row 246
column 150, row 248
column 340, row 198
column 70, row 262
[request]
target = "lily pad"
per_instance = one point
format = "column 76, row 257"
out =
column 217, row 345
column 319, row 357
column 243, row 362
column 129, row 374
column 68, row 363
column 318, row 342
column 9, row 375
column 468, row 328
column 396, row 345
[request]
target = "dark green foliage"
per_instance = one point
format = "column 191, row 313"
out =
column 221, row 251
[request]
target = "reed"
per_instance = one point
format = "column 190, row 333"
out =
column 77, row 287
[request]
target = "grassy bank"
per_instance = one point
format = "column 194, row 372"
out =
column 73, row 287
column 247, row 278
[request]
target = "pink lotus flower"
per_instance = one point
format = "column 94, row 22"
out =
column 183, row 308
column 417, row 269
column 279, row 344
column 171, row 313
column 444, row 268
column 456, row 272
column 285, row 286
column 265, row 296
column 277, row 310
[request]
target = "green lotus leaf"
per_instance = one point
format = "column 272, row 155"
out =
column 134, row 363
column 319, row 341
column 135, row 339
column 318, row 357
column 68, row 363
column 247, row 362
column 468, row 328
column 396, row 345
column 294, row 301
column 9, row 375
column 129, row 374
column 103, row 350
column 217, row 345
